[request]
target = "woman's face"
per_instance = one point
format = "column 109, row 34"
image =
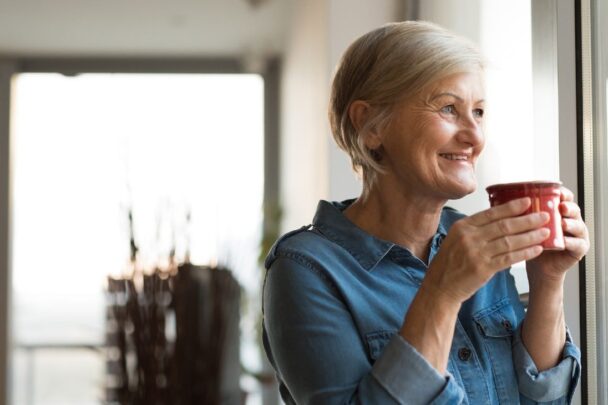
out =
column 433, row 141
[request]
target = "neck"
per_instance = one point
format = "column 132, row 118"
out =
column 405, row 219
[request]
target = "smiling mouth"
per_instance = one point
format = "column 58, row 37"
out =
column 456, row 156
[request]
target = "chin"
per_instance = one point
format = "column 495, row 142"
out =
column 462, row 189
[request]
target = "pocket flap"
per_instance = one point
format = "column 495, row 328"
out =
column 376, row 341
column 498, row 321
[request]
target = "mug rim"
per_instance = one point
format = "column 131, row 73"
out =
column 524, row 184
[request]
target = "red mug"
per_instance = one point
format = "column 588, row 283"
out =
column 545, row 196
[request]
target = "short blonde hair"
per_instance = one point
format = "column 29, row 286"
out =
column 385, row 66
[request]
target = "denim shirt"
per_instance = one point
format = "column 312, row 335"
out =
column 335, row 298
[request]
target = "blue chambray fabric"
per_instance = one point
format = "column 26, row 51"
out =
column 334, row 299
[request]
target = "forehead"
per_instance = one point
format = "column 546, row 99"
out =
column 469, row 85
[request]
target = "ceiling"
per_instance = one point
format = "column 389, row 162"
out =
column 143, row 27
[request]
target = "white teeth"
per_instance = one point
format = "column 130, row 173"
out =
column 453, row 156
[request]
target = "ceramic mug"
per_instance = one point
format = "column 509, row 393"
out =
column 545, row 196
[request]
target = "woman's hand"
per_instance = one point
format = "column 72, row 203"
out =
column 544, row 329
column 553, row 265
column 479, row 246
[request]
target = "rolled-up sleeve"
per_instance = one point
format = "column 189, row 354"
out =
column 320, row 357
column 553, row 386
column 431, row 387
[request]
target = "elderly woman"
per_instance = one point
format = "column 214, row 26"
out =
column 394, row 298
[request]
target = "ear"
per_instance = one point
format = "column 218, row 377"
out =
column 359, row 113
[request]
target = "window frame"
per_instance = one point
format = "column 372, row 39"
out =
column 593, row 142
column 10, row 66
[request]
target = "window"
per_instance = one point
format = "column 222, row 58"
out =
column 183, row 152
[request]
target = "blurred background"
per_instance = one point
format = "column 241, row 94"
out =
column 152, row 151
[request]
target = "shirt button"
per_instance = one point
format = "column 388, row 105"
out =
column 507, row 325
column 464, row 353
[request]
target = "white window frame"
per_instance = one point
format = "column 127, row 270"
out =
column 594, row 76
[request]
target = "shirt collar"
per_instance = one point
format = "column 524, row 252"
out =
column 365, row 248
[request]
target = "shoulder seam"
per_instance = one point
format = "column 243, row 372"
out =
column 309, row 264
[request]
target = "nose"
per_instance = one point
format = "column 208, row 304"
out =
column 471, row 131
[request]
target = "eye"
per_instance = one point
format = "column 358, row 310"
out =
column 449, row 109
column 478, row 112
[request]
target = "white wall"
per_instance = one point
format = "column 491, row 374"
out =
column 312, row 167
column 363, row 16
column 459, row 16
column 304, row 126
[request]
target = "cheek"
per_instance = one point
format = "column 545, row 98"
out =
column 444, row 129
column 436, row 135
column 425, row 136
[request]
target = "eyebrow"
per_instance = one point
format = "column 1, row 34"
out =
column 457, row 97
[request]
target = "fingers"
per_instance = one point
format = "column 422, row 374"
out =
column 509, row 209
column 574, row 227
column 576, row 234
column 566, row 194
column 507, row 259
column 515, row 225
column 576, row 247
column 512, row 243
column 569, row 209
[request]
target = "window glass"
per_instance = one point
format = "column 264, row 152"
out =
column 184, row 153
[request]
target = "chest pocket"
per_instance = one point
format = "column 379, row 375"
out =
column 376, row 342
column 497, row 325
